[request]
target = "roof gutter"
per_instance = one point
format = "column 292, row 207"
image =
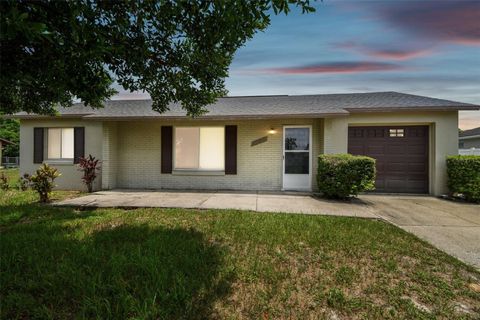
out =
column 401, row 109
column 469, row 137
column 217, row 118
column 39, row 116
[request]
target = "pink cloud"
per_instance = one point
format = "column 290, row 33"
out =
column 391, row 53
column 336, row 67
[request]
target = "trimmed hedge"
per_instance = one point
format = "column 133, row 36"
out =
column 344, row 175
column 464, row 176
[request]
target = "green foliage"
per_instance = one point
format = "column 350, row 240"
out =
column 42, row 181
column 344, row 175
column 10, row 130
column 177, row 51
column 4, row 182
column 167, row 263
column 464, row 176
column 24, row 182
column 89, row 166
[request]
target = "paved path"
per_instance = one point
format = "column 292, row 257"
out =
column 450, row 226
column 253, row 201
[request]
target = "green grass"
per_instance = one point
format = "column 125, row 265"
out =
column 197, row 264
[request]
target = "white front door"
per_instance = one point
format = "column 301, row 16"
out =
column 297, row 158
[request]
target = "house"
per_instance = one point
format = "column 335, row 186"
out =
column 469, row 139
column 249, row 143
column 3, row 142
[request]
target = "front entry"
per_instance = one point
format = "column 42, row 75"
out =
column 297, row 158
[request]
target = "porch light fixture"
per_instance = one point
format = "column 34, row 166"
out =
column 272, row 131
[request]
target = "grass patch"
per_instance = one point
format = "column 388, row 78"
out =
column 204, row 264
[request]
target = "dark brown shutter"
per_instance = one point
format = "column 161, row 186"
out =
column 230, row 149
column 38, row 145
column 78, row 143
column 167, row 153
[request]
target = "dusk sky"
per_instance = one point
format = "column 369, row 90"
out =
column 428, row 48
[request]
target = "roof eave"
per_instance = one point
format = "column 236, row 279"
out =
column 225, row 118
column 409, row 109
column 469, row 137
column 39, row 116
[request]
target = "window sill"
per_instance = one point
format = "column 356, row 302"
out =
column 59, row 162
column 179, row 172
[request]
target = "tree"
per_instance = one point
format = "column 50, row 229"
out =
column 10, row 130
column 177, row 51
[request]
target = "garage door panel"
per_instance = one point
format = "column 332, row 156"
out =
column 396, row 183
column 417, row 132
column 380, row 167
column 357, row 150
column 417, row 185
column 380, row 184
column 395, row 149
column 418, row 168
column 396, row 167
column 401, row 154
column 375, row 150
column 418, row 149
column 356, row 133
column 375, row 133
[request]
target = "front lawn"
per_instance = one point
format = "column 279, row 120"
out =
column 174, row 263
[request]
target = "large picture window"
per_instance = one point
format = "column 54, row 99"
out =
column 60, row 143
column 200, row 148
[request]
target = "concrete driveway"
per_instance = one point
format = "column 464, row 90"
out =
column 450, row 226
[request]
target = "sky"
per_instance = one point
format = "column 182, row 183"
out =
column 425, row 47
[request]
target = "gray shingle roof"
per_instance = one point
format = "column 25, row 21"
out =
column 471, row 132
column 272, row 106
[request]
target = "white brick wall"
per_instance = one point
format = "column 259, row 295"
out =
column 71, row 178
column 130, row 151
column 110, row 155
column 258, row 167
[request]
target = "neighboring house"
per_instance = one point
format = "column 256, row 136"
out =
column 3, row 142
column 469, row 139
column 249, row 143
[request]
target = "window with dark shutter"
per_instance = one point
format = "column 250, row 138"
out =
column 167, row 153
column 78, row 143
column 38, row 141
column 230, row 149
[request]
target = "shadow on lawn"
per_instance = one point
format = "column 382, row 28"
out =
column 113, row 271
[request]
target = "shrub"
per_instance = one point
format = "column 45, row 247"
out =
column 4, row 182
column 42, row 181
column 464, row 176
column 89, row 167
column 344, row 175
column 24, row 182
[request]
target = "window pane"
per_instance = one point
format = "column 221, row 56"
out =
column 67, row 143
column 187, row 142
column 297, row 138
column 53, row 143
column 297, row 162
column 212, row 148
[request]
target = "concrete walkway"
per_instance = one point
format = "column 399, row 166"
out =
column 450, row 226
column 253, row 201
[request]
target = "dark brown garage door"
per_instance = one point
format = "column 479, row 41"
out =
column 401, row 153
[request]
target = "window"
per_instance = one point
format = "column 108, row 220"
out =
column 60, row 143
column 200, row 148
column 396, row 133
